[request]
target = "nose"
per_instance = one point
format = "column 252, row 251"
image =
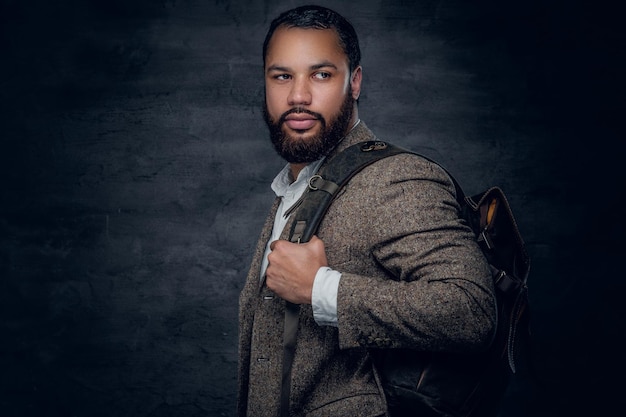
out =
column 300, row 93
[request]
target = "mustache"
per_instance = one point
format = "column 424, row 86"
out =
column 299, row 110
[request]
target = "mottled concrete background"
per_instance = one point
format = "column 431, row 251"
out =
column 135, row 169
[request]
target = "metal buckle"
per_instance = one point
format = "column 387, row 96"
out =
column 313, row 180
column 376, row 145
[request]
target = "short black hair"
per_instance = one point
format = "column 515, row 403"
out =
column 318, row 17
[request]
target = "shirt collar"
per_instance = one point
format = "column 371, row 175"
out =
column 282, row 182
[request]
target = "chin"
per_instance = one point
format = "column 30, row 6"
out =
column 299, row 135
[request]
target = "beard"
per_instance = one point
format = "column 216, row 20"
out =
column 297, row 150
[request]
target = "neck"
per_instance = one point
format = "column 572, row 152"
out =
column 295, row 170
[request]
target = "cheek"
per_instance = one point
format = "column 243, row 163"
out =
column 273, row 102
column 333, row 101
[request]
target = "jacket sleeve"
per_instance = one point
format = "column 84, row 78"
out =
column 412, row 274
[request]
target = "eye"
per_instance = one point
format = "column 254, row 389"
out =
column 282, row 77
column 322, row 75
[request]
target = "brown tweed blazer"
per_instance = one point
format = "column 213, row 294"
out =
column 412, row 277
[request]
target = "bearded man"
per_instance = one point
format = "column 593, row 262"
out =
column 392, row 269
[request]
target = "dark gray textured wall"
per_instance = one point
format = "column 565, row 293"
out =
column 135, row 168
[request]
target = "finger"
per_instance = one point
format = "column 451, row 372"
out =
column 280, row 244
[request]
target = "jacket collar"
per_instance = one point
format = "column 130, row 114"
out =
column 358, row 134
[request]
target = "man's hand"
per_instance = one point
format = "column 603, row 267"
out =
column 292, row 268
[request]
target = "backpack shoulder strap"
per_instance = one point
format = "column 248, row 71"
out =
column 324, row 186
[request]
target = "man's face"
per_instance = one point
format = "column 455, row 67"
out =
column 310, row 94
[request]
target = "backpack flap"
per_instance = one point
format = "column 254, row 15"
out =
column 499, row 236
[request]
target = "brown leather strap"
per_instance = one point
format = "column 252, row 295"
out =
column 290, row 334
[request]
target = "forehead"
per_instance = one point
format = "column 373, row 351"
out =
column 304, row 46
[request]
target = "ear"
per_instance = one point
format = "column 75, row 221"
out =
column 355, row 82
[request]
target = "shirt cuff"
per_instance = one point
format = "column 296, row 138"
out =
column 324, row 296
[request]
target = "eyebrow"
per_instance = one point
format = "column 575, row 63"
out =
column 323, row 64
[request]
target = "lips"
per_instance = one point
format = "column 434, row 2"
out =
column 300, row 121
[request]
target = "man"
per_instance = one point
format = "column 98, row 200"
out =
column 392, row 268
